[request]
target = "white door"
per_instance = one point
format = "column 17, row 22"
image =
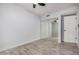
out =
column 70, row 29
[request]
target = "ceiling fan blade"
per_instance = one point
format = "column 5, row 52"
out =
column 34, row 5
column 42, row 4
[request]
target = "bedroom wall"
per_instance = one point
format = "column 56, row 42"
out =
column 17, row 26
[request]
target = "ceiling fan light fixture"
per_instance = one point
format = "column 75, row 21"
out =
column 42, row 4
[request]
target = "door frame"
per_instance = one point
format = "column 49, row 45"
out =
column 49, row 30
column 62, row 24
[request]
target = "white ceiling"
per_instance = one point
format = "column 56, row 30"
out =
column 49, row 8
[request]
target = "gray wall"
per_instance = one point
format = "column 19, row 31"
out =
column 17, row 26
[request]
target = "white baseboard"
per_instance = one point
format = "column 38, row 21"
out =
column 19, row 44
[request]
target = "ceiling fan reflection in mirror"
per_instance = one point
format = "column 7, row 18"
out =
column 40, row 4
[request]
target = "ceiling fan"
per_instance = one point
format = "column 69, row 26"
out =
column 40, row 4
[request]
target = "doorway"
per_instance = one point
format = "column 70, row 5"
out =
column 49, row 29
column 54, row 29
column 69, row 28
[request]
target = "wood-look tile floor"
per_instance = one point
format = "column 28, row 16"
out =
column 43, row 47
